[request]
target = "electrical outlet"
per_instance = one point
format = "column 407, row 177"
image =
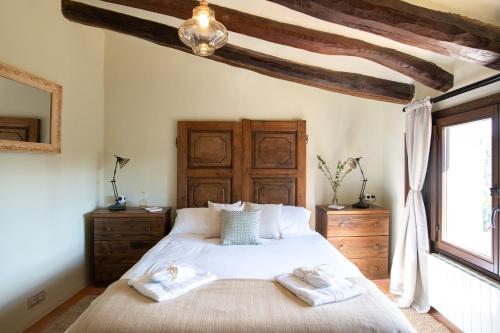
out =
column 41, row 296
column 32, row 301
column 36, row 299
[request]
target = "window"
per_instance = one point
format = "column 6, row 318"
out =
column 466, row 180
column 462, row 179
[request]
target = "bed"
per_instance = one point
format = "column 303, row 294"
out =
column 261, row 162
column 244, row 298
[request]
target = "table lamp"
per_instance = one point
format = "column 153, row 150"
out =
column 119, row 203
column 361, row 203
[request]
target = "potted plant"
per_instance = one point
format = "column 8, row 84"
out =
column 342, row 170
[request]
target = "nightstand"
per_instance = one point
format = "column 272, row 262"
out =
column 121, row 238
column 361, row 235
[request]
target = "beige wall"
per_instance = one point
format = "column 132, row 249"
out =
column 149, row 88
column 44, row 197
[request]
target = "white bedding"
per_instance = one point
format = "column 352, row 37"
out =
column 262, row 262
column 242, row 288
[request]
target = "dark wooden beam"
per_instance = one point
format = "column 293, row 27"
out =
column 445, row 33
column 341, row 82
column 420, row 70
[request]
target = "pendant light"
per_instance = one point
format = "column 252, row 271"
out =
column 202, row 32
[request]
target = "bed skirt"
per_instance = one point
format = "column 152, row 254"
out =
column 229, row 306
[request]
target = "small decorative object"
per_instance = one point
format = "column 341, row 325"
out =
column 369, row 198
column 120, row 203
column 343, row 169
column 122, row 200
column 202, row 32
column 143, row 203
column 362, row 203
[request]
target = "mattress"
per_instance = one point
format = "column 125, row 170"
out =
column 245, row 298
column 263, row 262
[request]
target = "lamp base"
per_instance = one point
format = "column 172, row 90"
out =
column 360, row 204
column 116, row 207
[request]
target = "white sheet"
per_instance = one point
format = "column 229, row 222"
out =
column 262, row 262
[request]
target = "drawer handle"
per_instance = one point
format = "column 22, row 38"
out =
column 148, row 229
column 108, row 229
column 139, row 245
column 376, row 225
column 376, row 246
column 341, row 224
column 376, row 268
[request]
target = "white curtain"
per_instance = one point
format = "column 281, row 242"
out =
column 409, row 266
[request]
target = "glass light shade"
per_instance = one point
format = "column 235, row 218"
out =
column 202, row 33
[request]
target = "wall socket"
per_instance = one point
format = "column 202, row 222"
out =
column 36, row 299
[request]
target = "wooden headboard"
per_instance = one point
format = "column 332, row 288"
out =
column 20, row 129
column 255, row 161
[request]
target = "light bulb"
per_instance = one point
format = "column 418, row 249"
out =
column 202, row 32
column 203, row 19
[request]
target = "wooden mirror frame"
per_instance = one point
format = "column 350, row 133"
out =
column 55, row 91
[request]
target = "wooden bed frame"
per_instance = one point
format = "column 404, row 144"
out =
column 255, row 161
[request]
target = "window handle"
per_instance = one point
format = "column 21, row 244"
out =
column 495, row 190
column 494, row 217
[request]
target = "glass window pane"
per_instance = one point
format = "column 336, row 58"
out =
column 467, row 178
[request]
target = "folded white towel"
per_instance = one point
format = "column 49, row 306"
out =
column 340, row 290
column 318, row 277
column 174, row 272
column 169, row 289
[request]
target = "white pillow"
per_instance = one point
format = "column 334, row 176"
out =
column 191, row 221
column 214, row 220
column 294, row 221
column 269, row 219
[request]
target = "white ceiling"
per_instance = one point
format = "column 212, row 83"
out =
column 485, row 10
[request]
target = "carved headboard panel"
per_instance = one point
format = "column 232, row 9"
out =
column 274, row 162
column 257, row 161
column 208, row 163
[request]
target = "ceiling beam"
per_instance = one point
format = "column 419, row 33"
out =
column 321, row 42
column 341, row 82
column 445, row 33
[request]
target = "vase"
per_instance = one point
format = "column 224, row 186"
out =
column 144, row 202
column 335, row 202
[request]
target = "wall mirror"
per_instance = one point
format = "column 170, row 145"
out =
column 30, row 112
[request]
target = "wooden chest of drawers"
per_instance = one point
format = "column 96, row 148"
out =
column 362, row 235
column 121, row 238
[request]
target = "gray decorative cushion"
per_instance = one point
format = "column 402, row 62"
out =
column 240, row 228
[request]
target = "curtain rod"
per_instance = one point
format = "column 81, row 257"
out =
column 472, row 86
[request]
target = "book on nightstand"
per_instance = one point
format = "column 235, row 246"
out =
column 154, row 209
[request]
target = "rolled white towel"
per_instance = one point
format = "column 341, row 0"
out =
column 318, row 277
column 169, row 289
column 173, row 273
column 301, row 272
column 340, row 290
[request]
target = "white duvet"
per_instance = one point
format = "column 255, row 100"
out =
column 263, row 262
